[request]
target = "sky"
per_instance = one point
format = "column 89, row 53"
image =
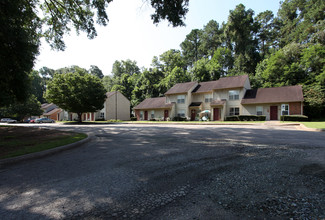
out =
column 130, row 34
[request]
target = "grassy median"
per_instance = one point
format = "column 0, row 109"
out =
column 17, row 141
column 315, row 124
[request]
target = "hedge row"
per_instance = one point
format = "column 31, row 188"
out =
column 294, row 118
column 245, row 118
column 178, row 118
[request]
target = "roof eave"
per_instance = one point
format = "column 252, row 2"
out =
column 176, row 93
column 238, row 87
column 167, row 107
column 283, row 101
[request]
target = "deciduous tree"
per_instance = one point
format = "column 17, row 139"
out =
column 19, row 41
column 24, row 22
column 19, row 110
column 76, row 92
column 94, row 70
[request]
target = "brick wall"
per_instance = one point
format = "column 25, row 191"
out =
column 137, row 114
column 295, row 108
column 54, row 117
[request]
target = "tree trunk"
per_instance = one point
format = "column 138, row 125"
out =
column 79, row 117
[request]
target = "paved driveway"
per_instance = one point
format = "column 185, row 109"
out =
column 172, row 172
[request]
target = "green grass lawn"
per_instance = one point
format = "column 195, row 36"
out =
column 315, row 124
column 17, row 141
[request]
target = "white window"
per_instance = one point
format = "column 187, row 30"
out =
column 181, row 113
column 102, row 115
column 234, row 111
column 141, row 114
column 259, row 110
column 207, row 98
column 152, row 114
column 233, row 95
column 285, row 109
column 181, row 99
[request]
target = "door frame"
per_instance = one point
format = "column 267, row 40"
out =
column 166, row 114
column 215, row 118
column 193, row 111
column 146, row 115
column 275, row 107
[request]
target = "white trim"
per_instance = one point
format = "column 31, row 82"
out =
column 283, row 107
column 258, row 111
column 234, row 113
column 181, row 99
column 235, row 93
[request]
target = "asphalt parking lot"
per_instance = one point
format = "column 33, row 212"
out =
column 172, row 172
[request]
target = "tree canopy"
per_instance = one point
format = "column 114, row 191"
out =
column 76, row 92
column 20, row 110
column 19, row 42
column 24, row 23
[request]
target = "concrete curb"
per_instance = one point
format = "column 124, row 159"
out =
column 311, row 129
column 153, row 123
column 44, row 153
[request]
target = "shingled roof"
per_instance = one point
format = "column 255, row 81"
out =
column 180, row 88
column 273, row 95
column 205, row 87
column 217, row 102
column 153, row 103
column 53, row 111
column 223, row 83
column 231, row 82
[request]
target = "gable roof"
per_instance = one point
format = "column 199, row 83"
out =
column 47, row 105
column 231, row 82
column 217, row 102
column 53, row 111
column 205, row 87
column 273, row 95
column 109, row 94
column 180, row 88
column 223, row 83
column 154, row 103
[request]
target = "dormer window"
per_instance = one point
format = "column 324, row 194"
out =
column 181, row 99
column 233, row 95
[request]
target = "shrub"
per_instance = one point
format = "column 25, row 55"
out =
column 294, row 118
column 178, row 118
column 232, row 118
column 252, row 117
column 100, row 119
column 261, row 117
column 133, row 118
column 247, row 117
column 152, row 119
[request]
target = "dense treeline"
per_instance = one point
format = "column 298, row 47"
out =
column 287, row 49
